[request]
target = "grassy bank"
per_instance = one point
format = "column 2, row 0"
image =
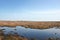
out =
column 10, row 36
column 30, row 24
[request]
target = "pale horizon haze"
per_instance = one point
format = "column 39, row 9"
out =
column 30, row 10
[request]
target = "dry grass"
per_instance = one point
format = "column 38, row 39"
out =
column 30, row 24
column 10, row 36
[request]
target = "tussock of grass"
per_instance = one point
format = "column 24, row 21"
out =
column 10, row 37
column 30, row 24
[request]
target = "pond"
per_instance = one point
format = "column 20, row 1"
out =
column 39, row 34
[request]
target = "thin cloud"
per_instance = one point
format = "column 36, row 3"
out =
column 46, row 12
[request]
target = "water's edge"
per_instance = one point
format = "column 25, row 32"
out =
column 39, row 34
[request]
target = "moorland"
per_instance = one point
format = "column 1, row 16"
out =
column 31, row 24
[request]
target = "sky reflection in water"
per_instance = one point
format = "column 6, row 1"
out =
column 33, row 33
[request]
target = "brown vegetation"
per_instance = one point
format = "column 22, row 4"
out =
column 30, row 24
column 17, row 37
column 10, row 37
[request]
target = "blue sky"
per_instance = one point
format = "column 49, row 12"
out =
column 31, row 10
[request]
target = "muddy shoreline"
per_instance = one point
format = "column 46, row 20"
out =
column 31, row 24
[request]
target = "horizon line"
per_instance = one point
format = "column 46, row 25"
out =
column 29, row 20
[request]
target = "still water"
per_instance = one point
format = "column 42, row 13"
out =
column 39, row 34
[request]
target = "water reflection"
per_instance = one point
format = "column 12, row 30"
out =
column 45, row 34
